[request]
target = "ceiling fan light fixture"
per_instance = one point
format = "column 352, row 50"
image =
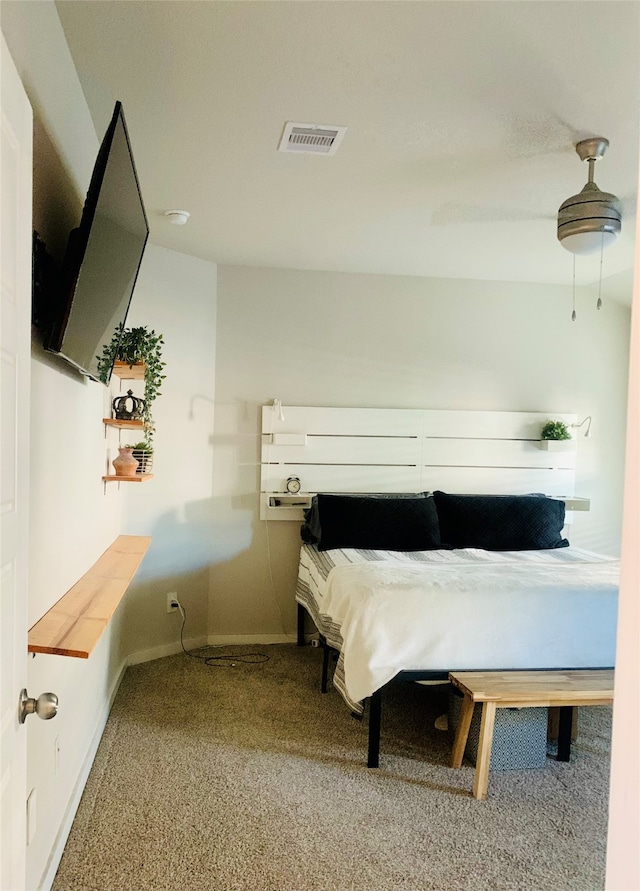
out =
column 587, row 242
column 590, row 220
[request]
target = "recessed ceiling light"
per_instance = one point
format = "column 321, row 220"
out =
column 177, row 217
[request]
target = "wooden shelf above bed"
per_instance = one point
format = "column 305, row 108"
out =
column 73, row 625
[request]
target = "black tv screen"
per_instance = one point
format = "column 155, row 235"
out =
column 103, row 256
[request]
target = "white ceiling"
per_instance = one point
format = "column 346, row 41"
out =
column 461, row 116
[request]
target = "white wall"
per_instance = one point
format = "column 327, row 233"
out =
column 176, row 296
column 73, row 519
column 39, row 49
column 313, row 338
column 74, row 516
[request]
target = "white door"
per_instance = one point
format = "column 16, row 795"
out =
column 15, row 349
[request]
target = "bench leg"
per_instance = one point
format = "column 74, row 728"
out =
column 462, row 731
column 481, row 778
column 301, row 614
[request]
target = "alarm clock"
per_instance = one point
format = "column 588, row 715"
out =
column 293, row 485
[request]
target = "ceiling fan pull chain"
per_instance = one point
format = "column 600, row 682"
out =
column 573, row 314
column 599, row 303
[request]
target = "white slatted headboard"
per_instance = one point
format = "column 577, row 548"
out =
column 409, row 450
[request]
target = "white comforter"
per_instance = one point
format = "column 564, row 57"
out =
column 477, row 610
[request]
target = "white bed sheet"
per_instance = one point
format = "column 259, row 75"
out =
column 461, row 609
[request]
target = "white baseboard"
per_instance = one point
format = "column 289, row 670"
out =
column 169, row 649
column 213, row 640
column 221, row 640
column 72, row 806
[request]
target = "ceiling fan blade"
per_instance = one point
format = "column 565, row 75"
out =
column 454, row 214
column 628, row 205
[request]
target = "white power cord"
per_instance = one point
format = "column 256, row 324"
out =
column 277, row 407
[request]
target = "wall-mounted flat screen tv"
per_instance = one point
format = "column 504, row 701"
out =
column 103, row 256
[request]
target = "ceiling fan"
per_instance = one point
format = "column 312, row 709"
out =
column 587, row 221
column 592, row 219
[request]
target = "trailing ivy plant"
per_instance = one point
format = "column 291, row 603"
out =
column 555, row 430
column 133, row 345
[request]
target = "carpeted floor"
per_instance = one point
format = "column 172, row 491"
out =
column 249, row 779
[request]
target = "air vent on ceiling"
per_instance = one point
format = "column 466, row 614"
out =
column 316, row 139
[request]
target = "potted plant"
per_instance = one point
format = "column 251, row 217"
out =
column 555, row 430
column 135, row 346
column 143, row 453
column 555, row 435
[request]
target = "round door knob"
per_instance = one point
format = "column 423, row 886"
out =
column 45, row 706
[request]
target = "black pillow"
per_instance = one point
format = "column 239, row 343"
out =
column 310, row 531
column 500, row 522
column 389, row 524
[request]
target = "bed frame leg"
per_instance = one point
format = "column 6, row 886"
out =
column 375, row 713
column 565, row 721
column 301, row 612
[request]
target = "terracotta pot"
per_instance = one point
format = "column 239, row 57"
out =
column 125, row 464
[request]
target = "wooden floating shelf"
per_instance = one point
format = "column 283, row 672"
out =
column 73, row 626
column 129, row 372
column 123, row 425
column 136, row 478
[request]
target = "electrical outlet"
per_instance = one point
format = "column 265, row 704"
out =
column 172, row 602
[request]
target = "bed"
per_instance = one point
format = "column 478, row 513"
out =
column 412, row 586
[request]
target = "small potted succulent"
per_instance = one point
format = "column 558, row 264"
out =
column 143, row 453
column 555, row 435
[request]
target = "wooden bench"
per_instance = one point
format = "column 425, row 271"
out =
column 523, row 689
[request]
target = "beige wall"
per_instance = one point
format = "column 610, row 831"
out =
column 314, row 338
